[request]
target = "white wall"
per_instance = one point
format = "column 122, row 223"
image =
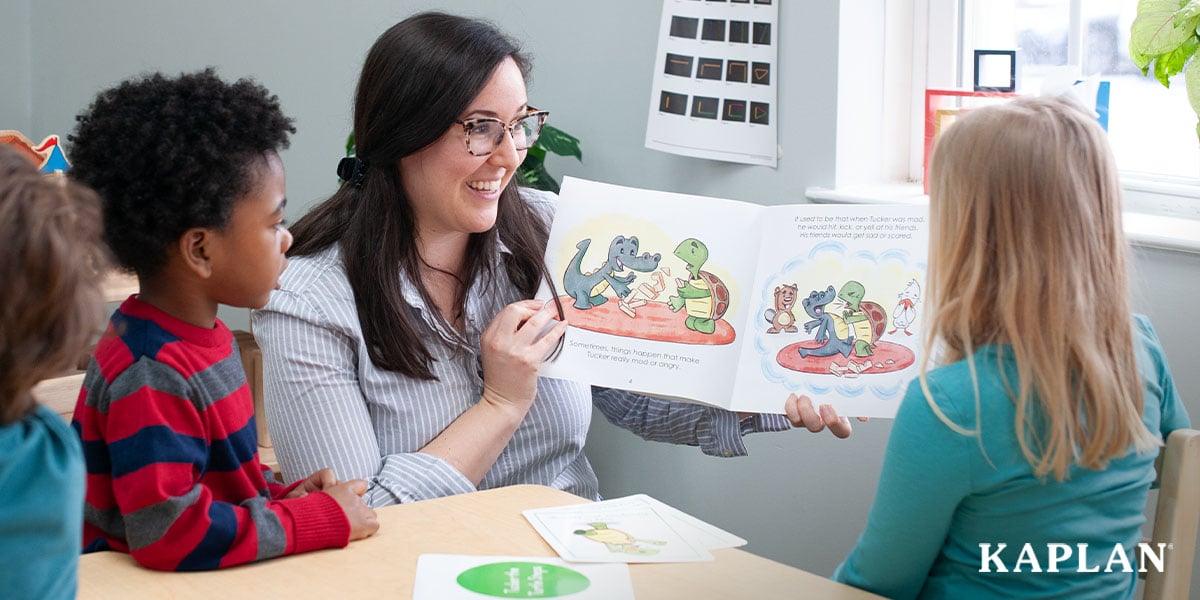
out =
column 801, row 499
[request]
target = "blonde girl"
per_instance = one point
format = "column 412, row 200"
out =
column 1032, row 429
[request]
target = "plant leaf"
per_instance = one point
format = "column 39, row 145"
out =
column 1155, row 30
column 1191, row 78
column 559, row 142
column 532, row 173
column 1160, row 71
column 1142, row 61
column 1175, row 61
column 536, row 177
column 1191, row 10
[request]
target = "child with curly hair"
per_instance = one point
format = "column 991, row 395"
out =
column 53, row 254
column 193, row 193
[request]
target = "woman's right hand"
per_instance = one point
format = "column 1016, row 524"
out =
column 513, row 347
column 348, row 494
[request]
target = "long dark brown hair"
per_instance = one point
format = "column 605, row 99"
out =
column 419, row 76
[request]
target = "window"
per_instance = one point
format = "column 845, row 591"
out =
column 890, row 51
column 1151, row 128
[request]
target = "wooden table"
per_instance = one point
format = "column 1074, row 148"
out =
column 482, row 523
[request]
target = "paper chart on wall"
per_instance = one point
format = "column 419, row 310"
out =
column 714, row 93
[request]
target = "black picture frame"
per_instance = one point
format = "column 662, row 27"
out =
column 992, row 84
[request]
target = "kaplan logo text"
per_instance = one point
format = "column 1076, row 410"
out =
column 1073, row 558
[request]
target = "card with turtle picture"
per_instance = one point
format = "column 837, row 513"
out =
column 622, row 530
column 735, row 304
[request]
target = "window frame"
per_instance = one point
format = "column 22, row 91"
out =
column 887, row 52
column 883, row 70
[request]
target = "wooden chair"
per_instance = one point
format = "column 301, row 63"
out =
column 1176, row 516
column 253, row 365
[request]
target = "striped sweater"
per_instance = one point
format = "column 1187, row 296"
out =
column 173, row 476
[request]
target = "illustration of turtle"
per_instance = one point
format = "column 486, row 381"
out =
column 704, row 296
column 862, row 321
column 616, row 540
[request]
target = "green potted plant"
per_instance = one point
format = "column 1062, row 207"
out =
column 532, row 172
column 1164, row 39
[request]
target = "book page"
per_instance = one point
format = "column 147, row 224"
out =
column 652, row 284
column 836, row 308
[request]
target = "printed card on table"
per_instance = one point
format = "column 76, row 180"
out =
column 462, row 577
column 634, row 529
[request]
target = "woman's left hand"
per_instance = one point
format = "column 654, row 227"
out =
column 800, row 411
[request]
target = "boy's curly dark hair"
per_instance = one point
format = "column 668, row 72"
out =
column 169, row 154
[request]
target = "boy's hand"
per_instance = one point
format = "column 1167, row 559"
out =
column 316, row 482
column 348, row 494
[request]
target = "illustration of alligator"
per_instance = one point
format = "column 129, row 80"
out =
column 823, row 322
column 588, row 288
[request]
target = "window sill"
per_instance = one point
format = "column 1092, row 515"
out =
column 1142, row 227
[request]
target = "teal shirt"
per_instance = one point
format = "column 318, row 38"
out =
column 942, row 494
column 41, row 507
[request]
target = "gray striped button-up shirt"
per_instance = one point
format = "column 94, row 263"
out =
column 328, row 405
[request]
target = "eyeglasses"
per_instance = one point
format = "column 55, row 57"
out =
column 484, row 134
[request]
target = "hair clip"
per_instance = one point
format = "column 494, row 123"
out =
column 352, row 170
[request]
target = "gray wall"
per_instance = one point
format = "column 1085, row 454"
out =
column 16, row 54
column 799, row 498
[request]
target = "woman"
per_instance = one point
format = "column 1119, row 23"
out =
column 400, row 348
column 1019, row 466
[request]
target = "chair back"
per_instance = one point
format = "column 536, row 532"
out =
column 1176, row 516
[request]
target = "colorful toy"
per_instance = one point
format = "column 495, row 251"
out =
column 47, row 156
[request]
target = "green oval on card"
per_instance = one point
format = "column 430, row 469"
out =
column 523, row 580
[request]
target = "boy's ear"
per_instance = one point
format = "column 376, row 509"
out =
column 196, row 251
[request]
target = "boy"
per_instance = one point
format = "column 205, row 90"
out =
column 193, row 194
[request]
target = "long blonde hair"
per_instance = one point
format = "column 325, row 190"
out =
column 1027, row 250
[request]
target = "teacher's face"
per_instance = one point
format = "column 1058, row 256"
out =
column 452, row 191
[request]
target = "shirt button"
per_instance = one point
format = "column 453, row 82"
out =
column 727, row 453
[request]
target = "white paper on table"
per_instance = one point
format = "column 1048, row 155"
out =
column 462, row 577
column 631, row 530
column 702, row 534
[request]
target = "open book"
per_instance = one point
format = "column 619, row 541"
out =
column 736, row 304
